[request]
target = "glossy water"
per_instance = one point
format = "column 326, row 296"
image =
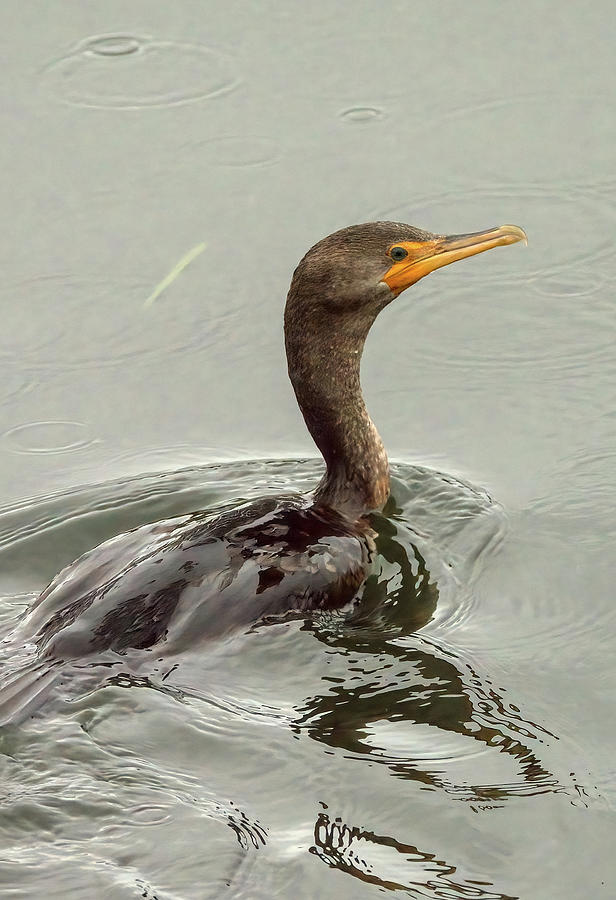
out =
column 458, row 741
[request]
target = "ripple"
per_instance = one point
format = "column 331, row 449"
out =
column 488, row 106
column 559, row 576
column 49, row 437
column 582, row 490
column 114, row 45
column 67, row 322
column 508, row 332
column 579, row 282
column 545, row 212
column 129, row 72
column 238, row 151
column 94, row 797
column 170, row 457
column 362, row 114
column 422, row 718
column 147, row 814
column 558, row 610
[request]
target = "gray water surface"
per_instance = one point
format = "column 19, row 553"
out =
column 464, row 746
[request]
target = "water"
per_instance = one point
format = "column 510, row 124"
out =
column 461, row 744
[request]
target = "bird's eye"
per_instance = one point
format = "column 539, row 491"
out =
column 398, row 253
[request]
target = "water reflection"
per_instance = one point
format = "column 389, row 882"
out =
column 249, row 832
column 389, row 863
column 426, row 688
column 395, row 676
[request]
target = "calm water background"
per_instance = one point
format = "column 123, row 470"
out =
column 474, row 759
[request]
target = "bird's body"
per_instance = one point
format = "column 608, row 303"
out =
column 192, row 578
column 176, row 583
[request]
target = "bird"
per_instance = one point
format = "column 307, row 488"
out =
column 174, row 584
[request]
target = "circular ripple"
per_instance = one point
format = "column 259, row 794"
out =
column 545, row 213
column 239, row 151
column 147, row 814
column 114, row 45
column 67, row 322
column 554, row 332
column 361, row 114
column 580, row 282
column 563, row 611
column 556, row 572
column 48, row 437
column 130, row 72
column 586, row 492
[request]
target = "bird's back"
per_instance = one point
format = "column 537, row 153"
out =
column 177, row 583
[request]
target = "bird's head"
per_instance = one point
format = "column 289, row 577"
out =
column 357, row 271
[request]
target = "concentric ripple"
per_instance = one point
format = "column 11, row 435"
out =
column 361, row 115
column 549, row 614
column 511, row 328
column 125, row 71
column 49, row 437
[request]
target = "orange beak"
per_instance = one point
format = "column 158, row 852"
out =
column 426, row 256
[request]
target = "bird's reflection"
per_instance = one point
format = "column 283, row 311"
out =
column 399, row 676
column 392, row 865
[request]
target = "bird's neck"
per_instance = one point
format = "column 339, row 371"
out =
column 324, row 371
